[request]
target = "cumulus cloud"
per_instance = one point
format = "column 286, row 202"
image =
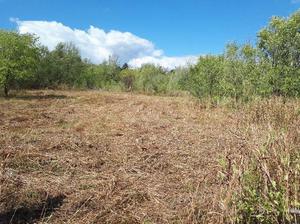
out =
column 97, row 45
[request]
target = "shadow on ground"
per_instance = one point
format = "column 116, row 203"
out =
column 40, row 97
column 30, row 215
column 36, row 97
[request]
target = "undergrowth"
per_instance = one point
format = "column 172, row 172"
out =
column 262, row 171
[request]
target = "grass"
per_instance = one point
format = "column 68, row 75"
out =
column 104, row 157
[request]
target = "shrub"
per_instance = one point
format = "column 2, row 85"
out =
column 151, row 79
column 127, row 77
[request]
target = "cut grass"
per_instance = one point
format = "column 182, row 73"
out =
column 128, row 158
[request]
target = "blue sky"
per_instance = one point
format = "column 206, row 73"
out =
column 177, row 27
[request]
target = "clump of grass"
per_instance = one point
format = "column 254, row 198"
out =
column 262, row 171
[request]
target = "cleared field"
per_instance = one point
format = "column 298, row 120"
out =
column 99, row 157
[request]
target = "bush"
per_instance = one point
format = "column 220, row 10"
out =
column 127, row 77
column 151, row 79
column 103, row 76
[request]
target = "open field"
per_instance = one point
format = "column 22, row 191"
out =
column 100, row 157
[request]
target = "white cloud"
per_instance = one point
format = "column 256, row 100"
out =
column 167, row 62
column 97, row 45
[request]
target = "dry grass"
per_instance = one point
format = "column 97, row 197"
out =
column 98, row 157
column 262, row 167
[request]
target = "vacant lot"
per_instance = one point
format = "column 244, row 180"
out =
column 98, row 157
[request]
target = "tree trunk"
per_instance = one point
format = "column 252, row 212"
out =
column 6, row 83
column 5, row 90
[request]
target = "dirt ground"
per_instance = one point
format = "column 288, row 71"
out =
column 99, row 157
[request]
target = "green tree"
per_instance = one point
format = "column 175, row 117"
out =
column 19, row 54
column 178, row 80
column 41, row 77
column 242, row 78
column 205, row 76
column 151, row 79
column 125, row 66
column 280, row 44
column 62, row 66
column 127, row 77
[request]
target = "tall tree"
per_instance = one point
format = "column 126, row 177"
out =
column 280, row 43
column 19, row 54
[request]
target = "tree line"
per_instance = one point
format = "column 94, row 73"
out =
column 270, row 67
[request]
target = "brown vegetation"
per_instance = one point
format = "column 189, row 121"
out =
column 99, row 157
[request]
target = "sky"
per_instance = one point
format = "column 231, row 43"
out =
column 166, row 32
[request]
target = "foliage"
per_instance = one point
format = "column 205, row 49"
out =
column 102, row 76
column 242, row 72
column 206, row 76
column 62, row 66
column 280, row 43
column 18, row 58
column 127, row 77
column 178, row 80
column 151, row 79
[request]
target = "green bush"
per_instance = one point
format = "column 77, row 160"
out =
column 127, row 77
column 151, row 79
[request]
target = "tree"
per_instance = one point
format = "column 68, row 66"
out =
column 18, row 58
column 240, row 71
column 65, row 66
column 178, row 79
column 127, row 77
column 125, row 66
column 206, row 75
column 41, row 76
column 151, row 79
column 280, row 44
